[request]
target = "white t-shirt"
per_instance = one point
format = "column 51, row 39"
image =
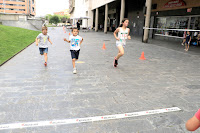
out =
column 122, row 35
column 43, row 40
column 75, row 42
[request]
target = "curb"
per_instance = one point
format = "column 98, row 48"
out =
column 16, row 54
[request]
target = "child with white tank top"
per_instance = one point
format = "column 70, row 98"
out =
column 123, row 35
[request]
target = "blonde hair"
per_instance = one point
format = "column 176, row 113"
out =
column 44, row 28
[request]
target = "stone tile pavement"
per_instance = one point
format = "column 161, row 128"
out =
column 169, row 77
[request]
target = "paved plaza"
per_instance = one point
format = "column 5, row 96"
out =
column 170, row 77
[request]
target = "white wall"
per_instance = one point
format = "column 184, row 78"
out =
column 81, row 7
column 90, row 12
column 79, row 11
column 99, row 3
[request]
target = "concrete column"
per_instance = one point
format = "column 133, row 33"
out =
column 96, row 19
column 106, row 19
column 189, row 22
column 122, row 11
column 91, row 20
column 147, row 20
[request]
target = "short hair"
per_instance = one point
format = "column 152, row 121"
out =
column 75, row 28
column 44, row 28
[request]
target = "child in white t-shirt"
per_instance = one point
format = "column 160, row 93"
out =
column 75, row 41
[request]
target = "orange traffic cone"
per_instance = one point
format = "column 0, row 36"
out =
column 104, row 46
column 69, row 33
column 142, row 56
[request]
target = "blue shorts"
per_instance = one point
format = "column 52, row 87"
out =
column 75, row 54
column 43, row 50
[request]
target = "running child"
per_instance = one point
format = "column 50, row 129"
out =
column 42, row 43
column 76, row 42
column 123, row 35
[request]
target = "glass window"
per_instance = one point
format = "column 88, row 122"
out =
column 172, row 23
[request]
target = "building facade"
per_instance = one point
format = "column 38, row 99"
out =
column 62, row 13
column 106, row 15
column 26, row 7
column 20, row 13
column 81, row 9
column 87, row 9
column 175, row 14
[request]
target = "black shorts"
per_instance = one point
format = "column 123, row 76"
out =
column 75, row 54
column 187, row 42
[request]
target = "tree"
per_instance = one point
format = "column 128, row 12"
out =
column 48, row 16
column 63, row 18
column 54, row 19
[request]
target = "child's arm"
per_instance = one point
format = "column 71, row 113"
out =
column 81, row 41
column 36, row 40
column 115, row 32
column 129, row 37
column 193, row 123
column 67, row 40
column 50, row 41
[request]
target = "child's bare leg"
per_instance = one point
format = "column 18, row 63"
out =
column 185, row 46
column 121, row 52
column 188, row 47
column 184, row 41
column 45, row 57
column 73, row 63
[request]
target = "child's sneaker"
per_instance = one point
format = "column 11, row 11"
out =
column 45, row 64
column 115, row 62
column 74, row 71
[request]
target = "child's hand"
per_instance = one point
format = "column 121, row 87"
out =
column 65, row 39
column 129, row 37
column 117, row 39
column 36, row 44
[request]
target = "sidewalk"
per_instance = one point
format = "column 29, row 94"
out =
column 168, row 78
